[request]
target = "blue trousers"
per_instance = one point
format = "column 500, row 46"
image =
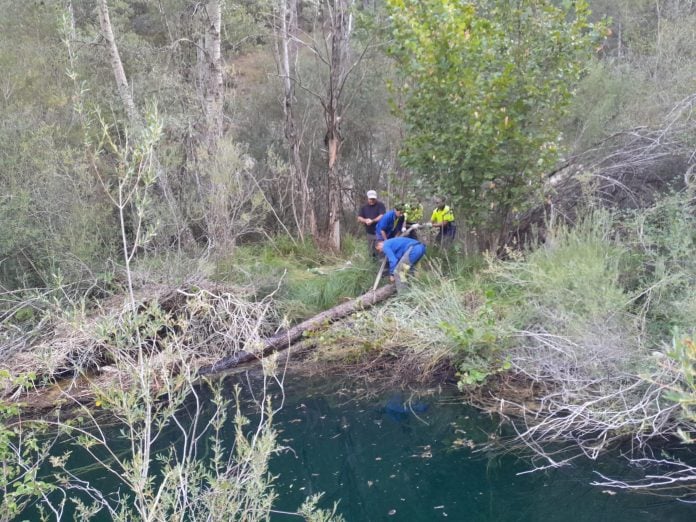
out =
column 414, row 254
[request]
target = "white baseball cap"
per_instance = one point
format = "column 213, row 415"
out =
column 371, row 194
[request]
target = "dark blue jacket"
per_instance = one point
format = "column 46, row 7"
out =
column 395, row 248
column 391, row 224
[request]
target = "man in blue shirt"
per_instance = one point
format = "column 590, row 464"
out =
column 391, row 223
column 401, row 252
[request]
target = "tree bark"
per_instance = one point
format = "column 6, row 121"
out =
column 117, row 65
column 286, row 55
column 214, row 93
column 287, row 338
column 340, row 25
column 329, row 42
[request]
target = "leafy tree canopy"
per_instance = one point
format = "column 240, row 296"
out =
column 485, row 85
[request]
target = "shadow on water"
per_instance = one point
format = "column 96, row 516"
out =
column 402, row 457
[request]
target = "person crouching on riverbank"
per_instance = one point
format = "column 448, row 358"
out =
column 402, row 253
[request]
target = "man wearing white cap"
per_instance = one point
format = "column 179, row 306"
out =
column 369, row 215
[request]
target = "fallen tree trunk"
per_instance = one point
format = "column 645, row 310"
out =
column 288, row 337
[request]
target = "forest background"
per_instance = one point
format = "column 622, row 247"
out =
column 153, row 145
column 277, row 117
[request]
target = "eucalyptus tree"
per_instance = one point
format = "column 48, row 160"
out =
column 116, row 63
column 286, row 45
column 175, row 51
column 329, row 42
column 328, row 36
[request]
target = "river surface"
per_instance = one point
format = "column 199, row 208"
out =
column 424, row 462
column 412, row 458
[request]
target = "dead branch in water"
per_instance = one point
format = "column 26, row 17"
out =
column 286, row 338
column 208, row 326
column 205, row 321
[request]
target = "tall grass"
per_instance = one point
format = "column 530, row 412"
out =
column 572, row 316
column 306, row 279
column 663, row 237
column 443, row 321
column 576, row 270
column 591, row 309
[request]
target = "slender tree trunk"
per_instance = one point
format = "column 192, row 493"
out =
column 117, row 65
column 206, row 18
column 286, row 55
column 334, row 147
column 214, row 91
column 134, row 117
column 218, row 216
column 340, row 27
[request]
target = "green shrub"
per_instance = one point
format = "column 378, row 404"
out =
column 663, row 237
column 683, row 353
column 454, row 319
column 575, row 324
column 575, row 274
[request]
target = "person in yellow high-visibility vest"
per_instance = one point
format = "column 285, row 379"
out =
column 443, row 219
column 413, row 213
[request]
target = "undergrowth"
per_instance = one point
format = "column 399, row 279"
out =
column 305, row 279
column 586, row 319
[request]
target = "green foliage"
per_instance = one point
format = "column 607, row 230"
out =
column 568, row 305
column 452, row 263
column 306, row 279
column 643, row 69
column 600, row 100
column 663, row 240
column 683, row 353
column 312, row 513
column 485, row 85
column 313, row 292
column 56, row 220
column 53, row 213
column 458, row 319
column 23, row 448
column 576, row 272
column 477, row 341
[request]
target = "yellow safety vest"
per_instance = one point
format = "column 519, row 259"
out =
column 443, row 215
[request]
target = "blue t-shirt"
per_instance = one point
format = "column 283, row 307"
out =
column 395, row 248
column 391, row 224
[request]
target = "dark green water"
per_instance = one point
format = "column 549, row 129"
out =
column 382, row 464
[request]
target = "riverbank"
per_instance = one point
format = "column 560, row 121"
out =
column 584, row 339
